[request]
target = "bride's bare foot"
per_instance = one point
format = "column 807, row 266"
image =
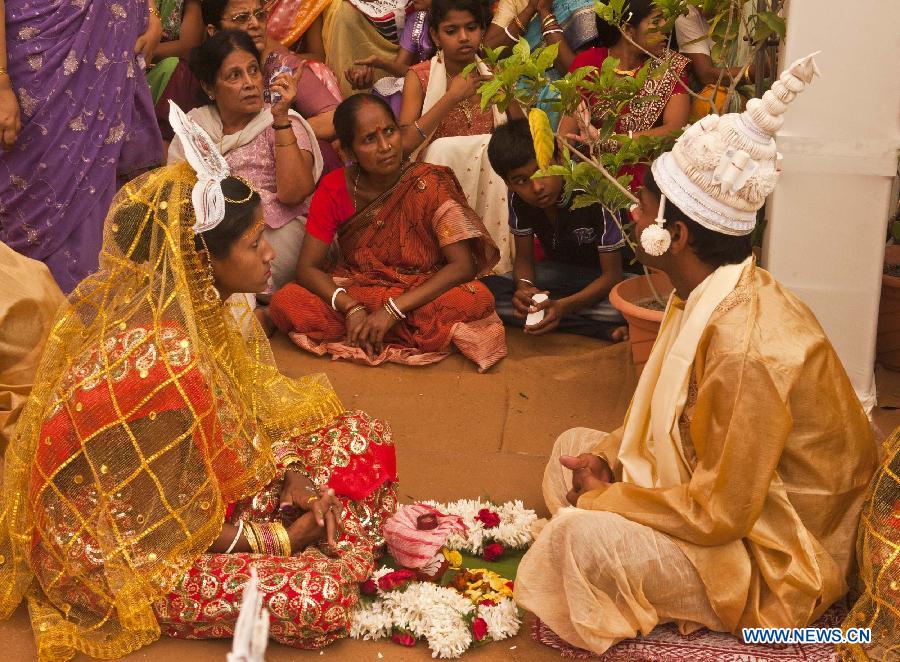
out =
column 619, row 334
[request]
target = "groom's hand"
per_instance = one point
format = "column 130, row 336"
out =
column 589, row 473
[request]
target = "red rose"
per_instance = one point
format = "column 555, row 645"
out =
column 368, row 587
column 493, row 552
column 479, row 629
column 487, row 603
column 403, row 638
column 489, row 518
column 511, row 585
column 426, row 522
column 396, row 579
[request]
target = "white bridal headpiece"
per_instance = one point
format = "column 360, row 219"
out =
column 209, row 164
column 721, row 169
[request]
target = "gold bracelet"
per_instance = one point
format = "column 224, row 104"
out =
column 4, row 72
column 155, row 10
column 355, row 309
column 518, row 24
column 287, row 144
column 391, row 312
column 282, row 536
column 252, row 535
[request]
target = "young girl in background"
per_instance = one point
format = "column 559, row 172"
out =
column 441, row 116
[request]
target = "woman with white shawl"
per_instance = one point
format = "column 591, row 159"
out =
column 442, row 120
column 270, row 146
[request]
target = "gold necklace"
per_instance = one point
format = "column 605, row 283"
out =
column 628, row 72
column 465, row 105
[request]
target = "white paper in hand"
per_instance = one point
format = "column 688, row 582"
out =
column 534, row 318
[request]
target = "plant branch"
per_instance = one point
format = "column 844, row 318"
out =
column 715, row 92
column 599, row 166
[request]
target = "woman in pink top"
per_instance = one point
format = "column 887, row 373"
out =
column 272, row 147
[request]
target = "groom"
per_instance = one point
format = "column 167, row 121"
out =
column 730, row 496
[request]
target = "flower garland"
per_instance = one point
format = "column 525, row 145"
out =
column 492, row 529
column 450, row 618
column 477, row 604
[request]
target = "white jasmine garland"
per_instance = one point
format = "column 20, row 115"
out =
column 502, row 619
column 440, row 615
column 513, row 532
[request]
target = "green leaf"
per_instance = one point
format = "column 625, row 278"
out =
column 469, row 68
column 773, row 21
column 547, row 57
column 584, row 200
column 522, row 49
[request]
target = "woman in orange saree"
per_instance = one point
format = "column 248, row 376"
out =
column 411, row 248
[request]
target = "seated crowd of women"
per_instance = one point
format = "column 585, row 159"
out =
column 379, row 251
column 252, row 76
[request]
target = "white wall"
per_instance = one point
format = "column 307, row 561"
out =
column 828, row 215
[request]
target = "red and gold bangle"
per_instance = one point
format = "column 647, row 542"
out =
column 282, row 535
column 274, row 539
column 267, row 542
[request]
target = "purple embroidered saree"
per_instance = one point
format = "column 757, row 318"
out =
column 87, row 119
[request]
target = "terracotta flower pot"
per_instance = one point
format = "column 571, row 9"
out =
column 643, row 323
column 888, row 342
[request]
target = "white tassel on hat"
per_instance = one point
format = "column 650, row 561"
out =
column 655, row 239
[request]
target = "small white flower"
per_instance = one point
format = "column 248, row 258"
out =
column 502, row 619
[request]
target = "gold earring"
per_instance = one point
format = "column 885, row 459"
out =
column 210, row 293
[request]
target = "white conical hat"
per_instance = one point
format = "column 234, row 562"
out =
column 721, row 169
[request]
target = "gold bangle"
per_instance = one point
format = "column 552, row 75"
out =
column 518, row 24
column 4, row 72
column 253, row 540
column 282, row 536
column 355, row 309
column 287, row 144
column 155, row 10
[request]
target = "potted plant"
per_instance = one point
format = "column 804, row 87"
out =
column 588, row 172
column 642, row 303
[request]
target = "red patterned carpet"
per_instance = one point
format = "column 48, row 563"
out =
column 664, row 644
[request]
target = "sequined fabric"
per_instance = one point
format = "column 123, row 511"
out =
column 150, row 413
column 878, row 557
column 87, row 117
column 310, row 595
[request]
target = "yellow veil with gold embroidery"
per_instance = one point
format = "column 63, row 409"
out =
column 878, row 557
column 154, row 407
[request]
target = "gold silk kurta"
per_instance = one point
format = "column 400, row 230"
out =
column 29, row 300
column 781, row 454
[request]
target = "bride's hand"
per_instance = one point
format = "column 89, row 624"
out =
column 327, row 511
column 297, row 491
column 304, row 531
